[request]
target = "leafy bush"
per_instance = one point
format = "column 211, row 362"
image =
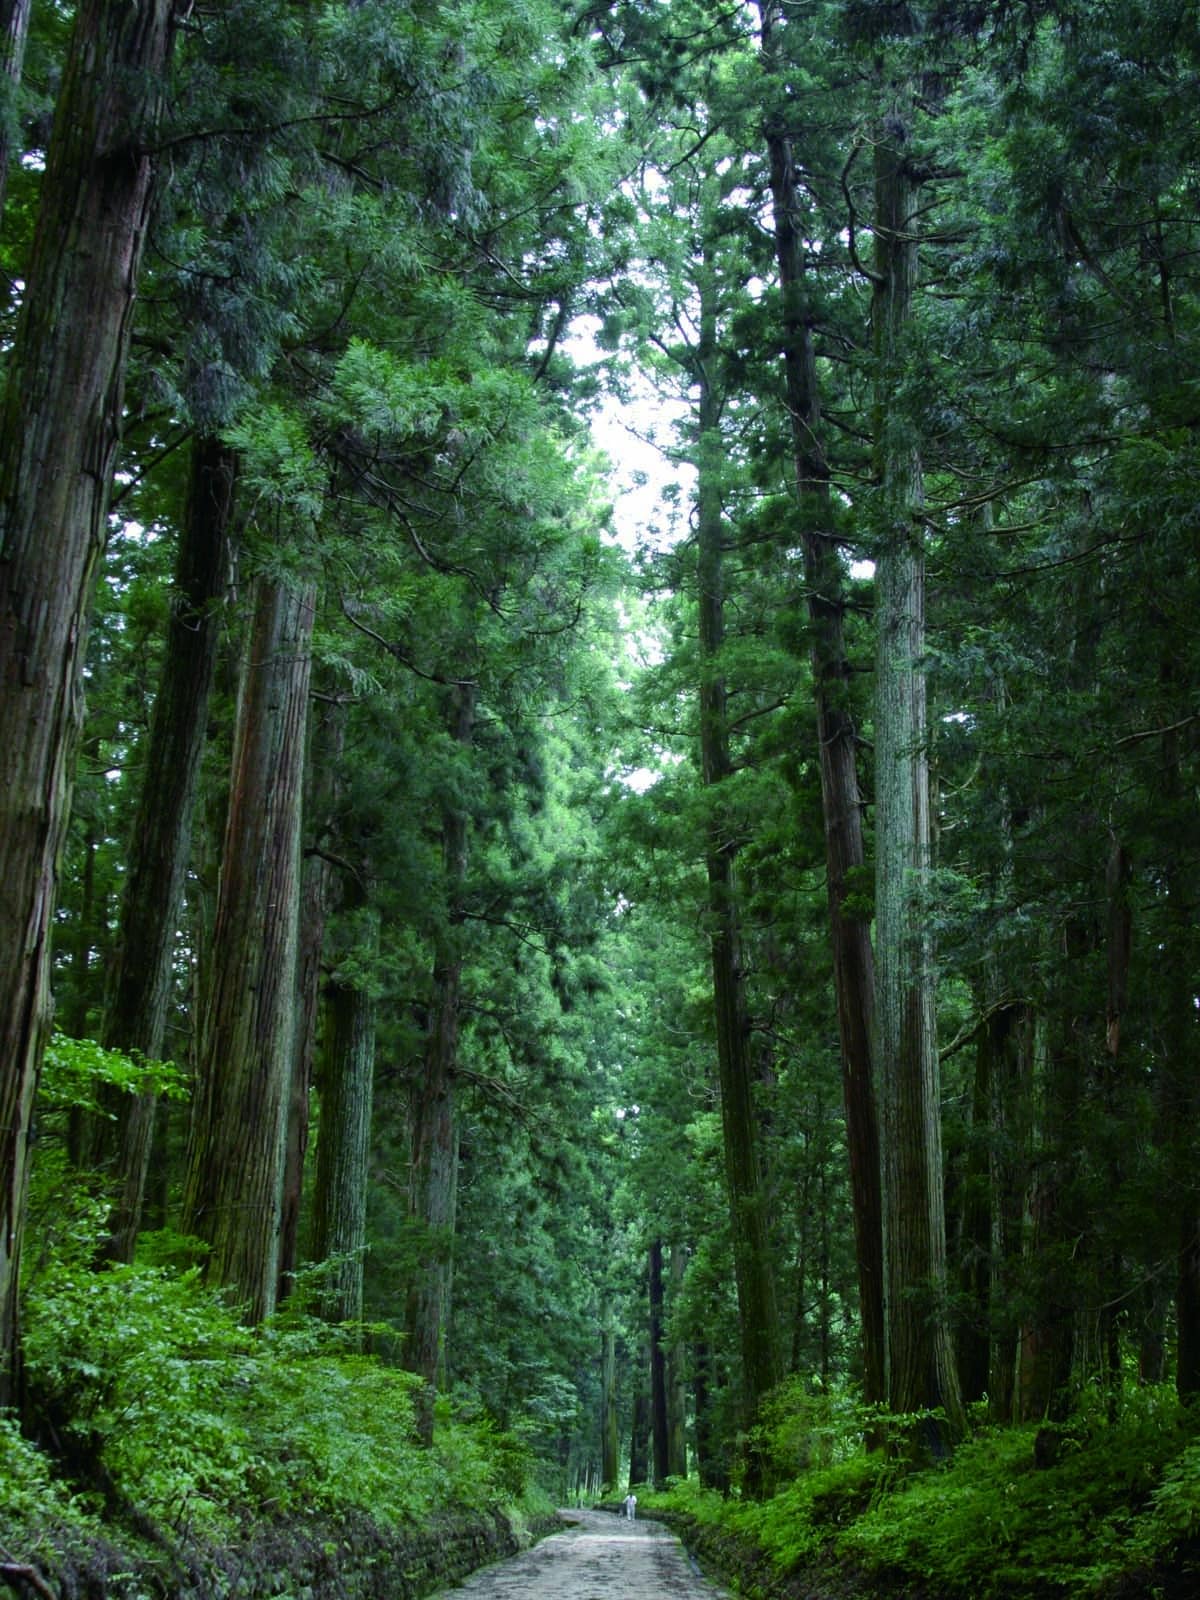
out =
column 153, row 1392
column 991, row 1522
column 987, row 1523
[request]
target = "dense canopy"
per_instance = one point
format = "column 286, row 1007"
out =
column 670, row 962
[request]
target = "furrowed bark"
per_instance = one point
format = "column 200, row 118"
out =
column 14, row 31
column 676, row 1386
column 433, row 1202
column 140, row 987
column 841, row 800
column 658, row 1371
column 58, row 439
column 921, row 1368
column 345, row 1084
column 758, row 1317
column 609, row 1436
column 234, row 1181
column 317, row 887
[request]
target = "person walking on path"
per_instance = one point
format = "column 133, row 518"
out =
column 631, row 1505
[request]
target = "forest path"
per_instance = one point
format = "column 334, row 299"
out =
column 598, row 1556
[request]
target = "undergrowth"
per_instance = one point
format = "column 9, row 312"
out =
column 150, row 1408
column 1123, row 1498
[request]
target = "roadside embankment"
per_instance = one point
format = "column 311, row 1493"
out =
column 351, row 1557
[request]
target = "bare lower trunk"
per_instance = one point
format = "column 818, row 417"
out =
column 160, row 843
column 58, row 440
column 659, row 1432
column 14, row 31
column 345, row 1084
column 433, row 1202
column 676, row 1385
column 235, row 1159
column 639, row 1429
column 609, row 1434
column 326, row 744
column 710, row 1464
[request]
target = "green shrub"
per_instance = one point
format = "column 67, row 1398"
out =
column 991, row 1522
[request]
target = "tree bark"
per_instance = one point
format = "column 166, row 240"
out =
column 58, row 440
column 433, row 1200
column 610, row 1438
column 1179, row 1091
column 345, row 1084
column 135, row 1012
column 710, row 1464
column 232, row 1195
column 921, row 1369
column 758, row 1318
column 659, row 1429
column 14, row 31
column 841, row 802
column 326, row 744
column 676, row 1384
column 639, row 1431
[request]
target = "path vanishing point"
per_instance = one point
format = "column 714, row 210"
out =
column 597, row 1556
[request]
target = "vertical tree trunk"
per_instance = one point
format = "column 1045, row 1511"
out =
column 234, row 1182
column 160, row 843
column 14, row 31
column 1011, row 1046
column 841, row 802
column 676, row 1385
column 710, row 1465
column 639, row 1432
column 325, row 750
column 659, row 1430
column 434, row 1123
column 345, row 1084
column 610, row 1439
column 921, row 1366
column 758, row 1318
column 58, row 440
column 1180, row 1091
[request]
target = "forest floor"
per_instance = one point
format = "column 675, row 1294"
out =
column 598, row 1556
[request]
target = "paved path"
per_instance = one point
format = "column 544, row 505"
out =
column 597, row 1557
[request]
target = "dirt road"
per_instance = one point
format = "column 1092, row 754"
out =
column 596, row 1557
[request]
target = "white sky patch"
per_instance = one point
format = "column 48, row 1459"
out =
column 636, row 433
column 640, row 779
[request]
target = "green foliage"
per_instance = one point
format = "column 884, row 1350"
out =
column 155, row 1396
column 77, row 1071
column 994, row 1523
column 987, row 1523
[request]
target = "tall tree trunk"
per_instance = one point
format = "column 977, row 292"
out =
column 841, row 801
column 433, row 1200
column 921, row 1369
column 758, row 1318
column 14, row 31
column 710, row 1465
column 659, row 1430
column 325, row 750
column 639, row 1430
column 58, row 440
column 232, row 1195
column 676, row 1384
column 1180, row 1090
column 345, row 1084
column 135, row 1012
column 610, row 1438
